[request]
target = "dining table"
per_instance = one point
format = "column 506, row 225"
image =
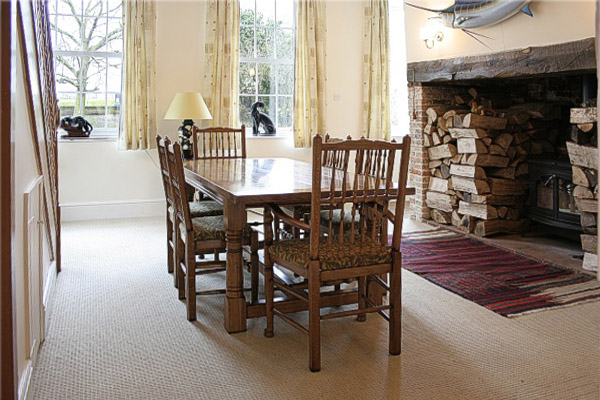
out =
column 243, row 183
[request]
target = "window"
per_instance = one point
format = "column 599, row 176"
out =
column 399, row 118
column 87, row 40
column 267, row 47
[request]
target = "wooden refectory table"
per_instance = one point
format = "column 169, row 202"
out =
column 247, row 183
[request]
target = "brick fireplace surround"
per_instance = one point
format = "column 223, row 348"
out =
column 435, row 83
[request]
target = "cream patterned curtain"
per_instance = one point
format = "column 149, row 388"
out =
column 138, row 117
column 309, row 86
column 221, row 54
column 376, row 92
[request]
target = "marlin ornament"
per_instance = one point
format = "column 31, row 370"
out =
column 468, row 14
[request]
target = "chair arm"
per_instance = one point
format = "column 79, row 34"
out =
column 282, row 215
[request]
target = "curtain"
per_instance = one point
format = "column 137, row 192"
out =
column 138, row 116
column 598, row 76
column 221, row 55
column 376, row 92
column 309, row 84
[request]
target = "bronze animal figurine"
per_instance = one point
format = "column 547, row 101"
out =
column 76, row 126
column 260, row 118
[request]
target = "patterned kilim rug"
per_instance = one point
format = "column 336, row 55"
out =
column 497, row 279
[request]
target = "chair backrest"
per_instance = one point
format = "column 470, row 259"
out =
column 178, row 185
column 219, row 143
column 162, row 144
column 367, row 191
column 331, row 158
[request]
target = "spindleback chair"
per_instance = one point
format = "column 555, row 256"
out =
column 197, row 209
column 360, row 251
column 195, row 236
column 217, row 142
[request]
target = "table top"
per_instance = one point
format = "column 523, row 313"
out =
column 255, row 181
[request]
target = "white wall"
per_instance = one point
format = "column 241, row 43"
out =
column 554, row 21
column 98, row 181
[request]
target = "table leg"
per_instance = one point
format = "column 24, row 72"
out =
column 235, row 302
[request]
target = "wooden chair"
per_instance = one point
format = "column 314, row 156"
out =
column 197, row 209
column 219, row 142
column 195, row 236
column 360, row 252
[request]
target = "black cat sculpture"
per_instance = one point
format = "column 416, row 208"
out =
column 76, row 126
column 260, row 118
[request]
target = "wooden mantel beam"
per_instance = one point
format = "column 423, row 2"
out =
column 564, row 58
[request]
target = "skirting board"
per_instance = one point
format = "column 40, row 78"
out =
column 25, row 381
column 111, row 210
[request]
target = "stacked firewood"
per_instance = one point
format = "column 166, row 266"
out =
column 478, row 163
column 584, row 160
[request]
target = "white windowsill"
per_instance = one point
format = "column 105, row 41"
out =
column 283, row 136
column 87, row 139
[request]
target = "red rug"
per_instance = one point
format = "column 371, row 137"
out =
column 499, row 280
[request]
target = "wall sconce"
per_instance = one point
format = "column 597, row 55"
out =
column 430, row 34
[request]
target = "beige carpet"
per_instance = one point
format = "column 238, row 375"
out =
column 117, row 331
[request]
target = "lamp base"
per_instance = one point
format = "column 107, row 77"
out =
column 185, row 138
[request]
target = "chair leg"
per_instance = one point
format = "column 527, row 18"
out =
column 190, row 279
column 314, row 316
column 269, row 294
column 179, row 257
column 170, row 252
column 216, row 254
column 362, row 295
column 254, row 267
column 396, row 304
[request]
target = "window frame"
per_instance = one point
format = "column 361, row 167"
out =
column 106, row 56
column 274, row 62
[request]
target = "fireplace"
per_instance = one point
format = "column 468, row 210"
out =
column 490, row 138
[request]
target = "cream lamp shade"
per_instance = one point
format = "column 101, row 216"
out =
column 188, row 106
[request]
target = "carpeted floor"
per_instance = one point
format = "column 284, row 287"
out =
column 117, row 331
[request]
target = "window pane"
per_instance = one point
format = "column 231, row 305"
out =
column 94, row 110
column 285, row 44
column 66, row 104
column 69, row 7
column 285, row 13
column 114, row 37
column 114, row 8
column 265, row 12
column 114, row 75
column 264, row 43
column 246, row 12
column 246, row 42
column 245, row 104
column 68, row 33
column 285, row 78
column 114, row 110
column 94, row 71
column 285, row 112
column 247, row 76
column 52, row 6
column 266, row 79
column 67, row 70
column 94, row 29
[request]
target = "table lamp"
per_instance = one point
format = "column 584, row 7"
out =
column 187, row 107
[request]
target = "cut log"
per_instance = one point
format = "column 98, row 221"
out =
column 487, row 141
column 484, row 122
column 458, row 133
column 511, row 152
column 520, row 137
column 497, row 150
column 502, row 211
column 586, row 128
column 492, row 227
column 582, row 192
column 435, row 139
column 435, row 164
column 457, row 158
column 447, row 139
column 587, row 205
column 583, row 156
column 578, row 136
column 522, row 169
column 427, row 142
column 590, row 262
column 513, row 214
column 471, row 146
column 441, row 124
column 445, row 171
column 517, row 117
column 588, row 220
column 468, row 171
column 441, row 217
column 506, row 187
column 504, row 140
column 589, row 243
column 440, row 201
column 482, row 211
column 493, row 200
column 580, row 177
column 584, row 115
column 470, row 185
column 440, row 185
column 442, row 151
column 486, row 160
column 544, row 110
column 433, row 113
column 506, row 173
column 429, row 129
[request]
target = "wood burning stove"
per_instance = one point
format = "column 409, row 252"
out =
column 551, row 200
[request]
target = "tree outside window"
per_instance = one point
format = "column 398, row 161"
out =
column 87, row 38
column 266, row 72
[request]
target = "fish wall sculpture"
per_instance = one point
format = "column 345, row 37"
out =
column 469, row 14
